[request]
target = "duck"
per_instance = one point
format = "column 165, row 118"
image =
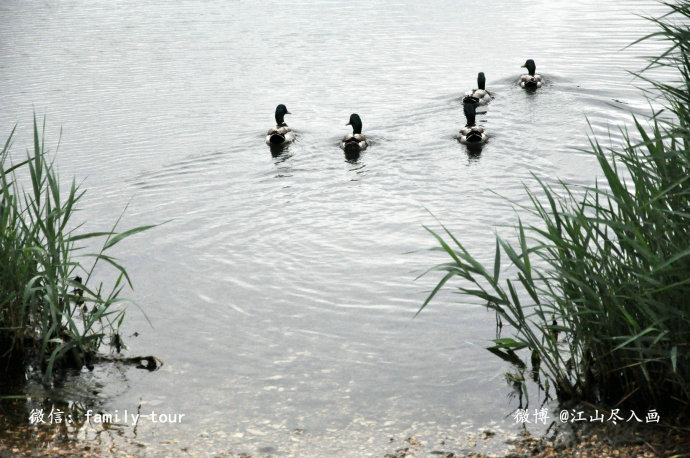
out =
column 356, row 142
column 281, row 134
column 472, row 134
column 531, row 80
column 479, row 96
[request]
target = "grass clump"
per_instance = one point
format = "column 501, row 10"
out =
column 50, row 316
column 601, row 296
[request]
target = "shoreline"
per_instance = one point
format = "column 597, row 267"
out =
column 584, row 441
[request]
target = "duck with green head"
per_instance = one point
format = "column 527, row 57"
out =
column 355, row 142
column 281, row 134
column 479, row 96
column 531, row 80
column 471, row 134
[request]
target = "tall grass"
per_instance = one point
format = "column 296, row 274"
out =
column 50, row 313
column 600, row 299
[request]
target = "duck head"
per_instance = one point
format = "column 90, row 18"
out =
column 281, row 111
column 530, row 66
column 356, row 123
column 470, row 113
column 481, row 81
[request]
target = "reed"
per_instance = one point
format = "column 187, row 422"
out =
column 599, row 294
column 52, row 312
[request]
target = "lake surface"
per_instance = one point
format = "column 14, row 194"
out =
column 282, row 290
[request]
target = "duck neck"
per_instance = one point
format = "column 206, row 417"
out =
column 469, row 114
column 481, row 82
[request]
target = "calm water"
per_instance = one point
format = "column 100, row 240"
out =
column 282, row 290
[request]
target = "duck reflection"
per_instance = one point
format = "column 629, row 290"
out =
column 279, row 152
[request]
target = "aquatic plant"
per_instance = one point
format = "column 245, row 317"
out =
column 51, row 313
column 599, row 295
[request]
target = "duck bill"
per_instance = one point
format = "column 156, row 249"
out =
column 287, row 112
column 348, row 124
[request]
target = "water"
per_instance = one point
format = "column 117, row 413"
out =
column 281, row 289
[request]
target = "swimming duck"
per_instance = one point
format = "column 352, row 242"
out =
column 471, row 134
column 357, row 141
column 281, row 134
column 479, row 96
column 531, row 80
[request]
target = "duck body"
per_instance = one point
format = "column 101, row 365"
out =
column 478, row 96
column 531, row 80
column 356, row 142
column 281, row 134
column 472, row 134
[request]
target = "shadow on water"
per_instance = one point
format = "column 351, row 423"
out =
column 474, row 152
column 33, row 416
column 281, row 155
column 279, row 152
column 531, row 91
column 352, row 155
